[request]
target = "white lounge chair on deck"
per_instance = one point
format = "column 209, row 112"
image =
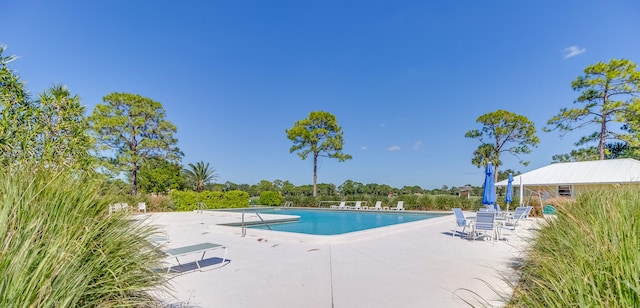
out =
column 341, row 206
column 377, row 207
column 358, row 206
column 399, row 207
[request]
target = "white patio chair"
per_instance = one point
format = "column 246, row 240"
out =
column 461, row 221
column 486, row 223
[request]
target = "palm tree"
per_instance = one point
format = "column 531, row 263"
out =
column 485, row 154
column 200, row 175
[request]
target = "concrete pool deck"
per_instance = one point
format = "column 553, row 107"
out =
column 415, row 264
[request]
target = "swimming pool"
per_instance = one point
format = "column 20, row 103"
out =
column 328, row 222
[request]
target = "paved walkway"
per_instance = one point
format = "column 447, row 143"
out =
column 417, row 264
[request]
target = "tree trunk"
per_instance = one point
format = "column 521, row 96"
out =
column 495, row 174
column 315, row 174
column 603, row 131
column 134, row 180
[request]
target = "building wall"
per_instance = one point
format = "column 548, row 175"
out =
column 551, row 191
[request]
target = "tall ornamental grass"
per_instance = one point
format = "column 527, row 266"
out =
column 588, row 257
column 60, row 248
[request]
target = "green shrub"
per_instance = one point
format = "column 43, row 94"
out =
column 425, row 202
column 188, row 200
column 235, row 199
column 60, row 248
column 184, row 200
column 212, row 199
column 410, row 202
column 270, row 198
column 305, row 201
column 588, row 256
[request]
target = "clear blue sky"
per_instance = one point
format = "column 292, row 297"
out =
column 405, row 79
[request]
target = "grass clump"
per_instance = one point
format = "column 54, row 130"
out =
column 588, row 257
column 59, row 248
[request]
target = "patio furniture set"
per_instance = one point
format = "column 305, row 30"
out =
column 490, row 224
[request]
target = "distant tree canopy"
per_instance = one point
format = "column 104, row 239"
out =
column 503, row 175
column 502, row 131
column 135, row 129
column 609, row 97
column 613, row 150
column 320, row 136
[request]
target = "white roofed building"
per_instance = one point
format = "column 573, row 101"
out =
column 568, row 179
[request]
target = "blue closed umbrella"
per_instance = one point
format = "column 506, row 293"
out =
column 489, row 191
column 508, row 197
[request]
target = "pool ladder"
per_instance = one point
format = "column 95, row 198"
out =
column 244, row 229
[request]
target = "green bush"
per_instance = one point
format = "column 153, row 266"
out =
column 235, row 199
column 60, row 248
column 184, row 200
column 410, row 202
column 188, row 200
column 588, row 256
column 305, row 201
column 212, row 199
column 270, row 198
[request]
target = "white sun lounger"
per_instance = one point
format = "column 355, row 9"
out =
column 378, row 206
column 358, row 206
column 399, row 207
column 194, row 249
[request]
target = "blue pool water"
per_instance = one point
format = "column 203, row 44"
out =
column 327, row 222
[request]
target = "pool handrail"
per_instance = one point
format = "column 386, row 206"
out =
column 244, row 229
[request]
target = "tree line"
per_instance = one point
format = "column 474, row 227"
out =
column 129, row 141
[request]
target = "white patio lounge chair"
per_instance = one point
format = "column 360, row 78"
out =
column 341, row 206
column 194, row 249
column 358, row 206
column 399, row 207
column 461, row 221
column 377, row 207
